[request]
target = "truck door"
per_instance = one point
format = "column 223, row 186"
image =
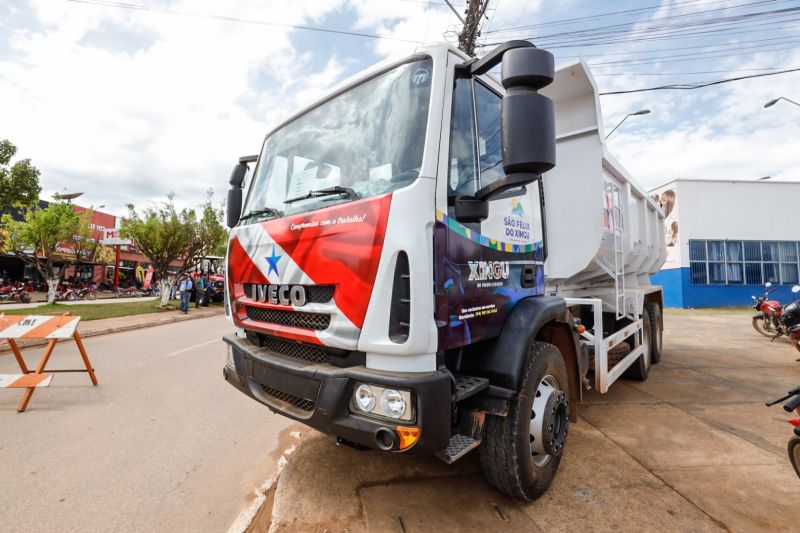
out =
column 482, row 269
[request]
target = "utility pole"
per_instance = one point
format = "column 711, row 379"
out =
column 470, row 31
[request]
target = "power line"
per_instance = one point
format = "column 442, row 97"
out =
column 657, row 29
column 699, row 84
column 727, row 71
column 593, row 17
column 226, row 18
column 694, row 47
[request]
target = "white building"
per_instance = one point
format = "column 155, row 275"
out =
column 726, row 238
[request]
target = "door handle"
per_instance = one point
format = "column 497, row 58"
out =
column 528, row 276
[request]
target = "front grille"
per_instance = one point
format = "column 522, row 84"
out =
column 297, row 319
column 285, row 397
column 299, row 354
column 316, row 294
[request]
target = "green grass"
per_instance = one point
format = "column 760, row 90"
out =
column 94, row 311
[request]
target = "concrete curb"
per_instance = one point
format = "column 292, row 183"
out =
column 156, row 320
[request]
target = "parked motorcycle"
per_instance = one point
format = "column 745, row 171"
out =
column 69, row 295
column 15, row 294
column 86, row 294
column 768, row 319
column 790, row 319
column 793, row 446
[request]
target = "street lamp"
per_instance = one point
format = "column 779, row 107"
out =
column 640, row 112
column 775, row 101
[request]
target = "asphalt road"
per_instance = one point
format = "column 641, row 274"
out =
column 161, row 444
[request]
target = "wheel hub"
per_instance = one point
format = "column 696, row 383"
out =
column 549, row 421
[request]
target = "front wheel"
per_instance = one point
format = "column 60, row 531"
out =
column 91, row 296
column 25, row 297
column 520, row 453
column 794, row 454
column 762, row 324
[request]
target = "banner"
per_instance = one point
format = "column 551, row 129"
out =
column 148, row 278
column 111, row 238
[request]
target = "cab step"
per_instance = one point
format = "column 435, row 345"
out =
column 467, row 386
column 458, row 447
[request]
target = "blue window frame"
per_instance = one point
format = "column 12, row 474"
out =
column 727, row 262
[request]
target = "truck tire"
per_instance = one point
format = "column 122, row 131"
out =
column 519, row 455
column 638, row 370
column 653, row 310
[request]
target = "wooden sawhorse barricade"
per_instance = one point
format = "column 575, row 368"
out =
column 50, row 328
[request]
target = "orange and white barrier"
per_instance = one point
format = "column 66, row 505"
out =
column 51, row 328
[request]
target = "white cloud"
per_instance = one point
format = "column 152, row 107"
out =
column 174, row 100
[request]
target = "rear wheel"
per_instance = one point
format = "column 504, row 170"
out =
column 520, row 453
column 763, row 325
column 639, row 370
column 653, row 311
column 794, row 454
column 71, row 297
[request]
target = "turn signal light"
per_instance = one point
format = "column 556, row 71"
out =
column 408, row 436
column 580, row 328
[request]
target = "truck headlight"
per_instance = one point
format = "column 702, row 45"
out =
column 381, row 402
column 393, row 403
column 365, row 398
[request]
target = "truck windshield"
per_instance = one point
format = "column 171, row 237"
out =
column 364, row 142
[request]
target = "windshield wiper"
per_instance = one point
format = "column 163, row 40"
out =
column 265, row 211
column 328, row 191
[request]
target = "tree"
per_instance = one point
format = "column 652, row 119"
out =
column 208, row 233
column 163, row 235
column 166, row 235
column 19, row 183
column 51, row 240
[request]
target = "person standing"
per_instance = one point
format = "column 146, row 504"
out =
column 200, row 286
column 185, row 290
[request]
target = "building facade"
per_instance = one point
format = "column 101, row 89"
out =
column 725, row 239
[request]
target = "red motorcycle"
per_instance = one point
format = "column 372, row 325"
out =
column 768, row 319
column 794, row 443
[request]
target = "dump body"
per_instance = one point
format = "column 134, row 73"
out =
column 589, row 194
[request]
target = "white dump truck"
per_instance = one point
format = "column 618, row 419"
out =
column 432, row 260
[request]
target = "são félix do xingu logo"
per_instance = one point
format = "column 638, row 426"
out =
column 517, row 226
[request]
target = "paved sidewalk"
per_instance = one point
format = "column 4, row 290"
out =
column 92, row 328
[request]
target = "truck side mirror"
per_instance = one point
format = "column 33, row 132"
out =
column 234, row 203
column 469, row 209
column 527, row 121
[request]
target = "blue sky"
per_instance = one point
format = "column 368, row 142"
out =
column 128, row 105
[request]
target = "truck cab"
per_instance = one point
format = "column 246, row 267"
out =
column 386, row 267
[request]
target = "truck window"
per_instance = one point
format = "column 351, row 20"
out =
column 487, row 105
column 463, row 173
column 370, row 139
column 469, row 153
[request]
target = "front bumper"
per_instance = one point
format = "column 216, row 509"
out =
column 318, row 395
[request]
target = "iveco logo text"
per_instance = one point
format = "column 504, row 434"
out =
column 483, row 270
column 281, row 294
